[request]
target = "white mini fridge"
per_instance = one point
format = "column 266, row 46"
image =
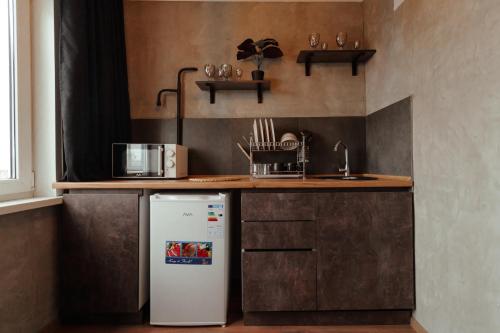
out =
column 189, row 259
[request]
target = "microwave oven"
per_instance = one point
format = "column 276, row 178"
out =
column 146, row 160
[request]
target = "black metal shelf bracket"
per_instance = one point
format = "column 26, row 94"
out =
column 259, row 93
column 355, row 65
column 212, row 94
column 307, row 65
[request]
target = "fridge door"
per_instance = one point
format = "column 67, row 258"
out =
column 189, row 248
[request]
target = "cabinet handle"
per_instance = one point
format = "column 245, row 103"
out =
column 160, row 161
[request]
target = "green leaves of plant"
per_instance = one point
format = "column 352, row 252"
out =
column 267, row 47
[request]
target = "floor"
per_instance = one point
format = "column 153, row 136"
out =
column 236, row 327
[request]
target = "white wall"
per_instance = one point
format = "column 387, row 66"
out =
column 447, row 55
column 43, row 96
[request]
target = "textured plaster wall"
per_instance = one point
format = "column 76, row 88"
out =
column 162, row 37
column 446, row 54
column 28, row 266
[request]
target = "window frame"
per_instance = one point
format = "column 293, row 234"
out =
column 23, row 185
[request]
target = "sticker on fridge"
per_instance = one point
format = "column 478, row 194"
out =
column 188, row 253
column 215, row 221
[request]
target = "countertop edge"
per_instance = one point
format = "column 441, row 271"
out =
column 383, row 181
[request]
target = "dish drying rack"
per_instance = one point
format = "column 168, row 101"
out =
column 299, row 148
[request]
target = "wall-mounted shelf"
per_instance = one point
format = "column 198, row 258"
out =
column 354, row 57
column 213, row 86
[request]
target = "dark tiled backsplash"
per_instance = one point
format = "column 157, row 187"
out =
column 213, row 150
column 378, row 143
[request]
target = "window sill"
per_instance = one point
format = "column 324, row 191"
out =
column 15, row 206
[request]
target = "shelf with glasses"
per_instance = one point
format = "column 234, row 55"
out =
column 213, row 86
column 354, row 57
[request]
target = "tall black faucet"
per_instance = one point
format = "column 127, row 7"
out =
column 178, row 91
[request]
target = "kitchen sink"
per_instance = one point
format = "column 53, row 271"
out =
column 342, row 177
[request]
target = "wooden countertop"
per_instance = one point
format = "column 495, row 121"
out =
column 243, row 182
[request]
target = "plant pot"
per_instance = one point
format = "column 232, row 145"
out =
column 257, row 75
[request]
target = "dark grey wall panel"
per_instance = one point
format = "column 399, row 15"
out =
column 389, row 140
column 326, row 132
column 213, row 150
column 210, row 146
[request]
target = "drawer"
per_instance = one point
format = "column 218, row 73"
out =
column 278, row 235
column 279, row 281
column 261, row 206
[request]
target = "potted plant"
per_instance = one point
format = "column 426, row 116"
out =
column 264, row 48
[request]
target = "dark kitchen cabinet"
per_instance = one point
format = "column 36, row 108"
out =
column 105, row 252
column 278, row 262
column 278, row 235
column 277, row 206
column 365, row 251
column 279, row 281
column 329, row 257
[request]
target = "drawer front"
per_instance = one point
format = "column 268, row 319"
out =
column 279, row 281
column 277, row 206
column 278, row 235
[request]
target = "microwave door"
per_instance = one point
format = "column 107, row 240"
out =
column 155, row 160
column 127, row 161
column 136, row 160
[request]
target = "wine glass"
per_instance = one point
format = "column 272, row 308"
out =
column 209, row 71
column 314, row 40
column 239, row 73
column 341, row 39
column 227, row 71
column 220, row 73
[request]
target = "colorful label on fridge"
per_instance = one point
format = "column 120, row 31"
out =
column 215, row 221
column 188, row 253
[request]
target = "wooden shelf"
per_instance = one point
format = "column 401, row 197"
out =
column 213, row 86
column 354, row 57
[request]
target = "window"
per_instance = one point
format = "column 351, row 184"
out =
column 7, row 115
column 15, row 101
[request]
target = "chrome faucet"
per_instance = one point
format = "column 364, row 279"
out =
column 345, row 170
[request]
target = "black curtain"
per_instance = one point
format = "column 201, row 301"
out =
column 95, row 108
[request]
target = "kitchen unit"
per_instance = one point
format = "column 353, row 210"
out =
column 410, row 87
column 321, row 251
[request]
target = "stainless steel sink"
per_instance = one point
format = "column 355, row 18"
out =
column 342, row 177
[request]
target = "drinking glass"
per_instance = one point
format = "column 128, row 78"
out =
column 227, row 71
column 314, row 39
column 209, row 71
column 239, row 73
column 341, row 39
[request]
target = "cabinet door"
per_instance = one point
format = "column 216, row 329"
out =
column 278, row 235
column 365, row 251
column 100, row 249
column 279, row 281
column 268, row 206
